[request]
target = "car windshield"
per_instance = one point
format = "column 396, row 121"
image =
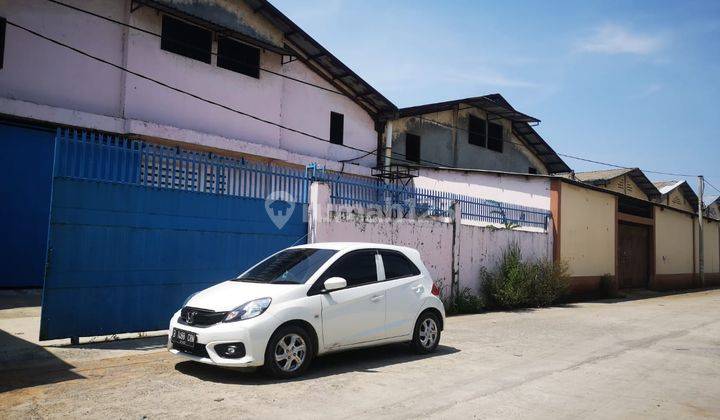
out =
column 292, row 266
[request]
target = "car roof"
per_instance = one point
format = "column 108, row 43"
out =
column 349, row 246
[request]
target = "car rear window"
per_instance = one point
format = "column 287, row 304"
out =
column 397, row 265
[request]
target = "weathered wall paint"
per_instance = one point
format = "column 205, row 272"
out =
column 713, row 210
column 432, row 239
column 483, row 248
column 587, row 230
column 50, row 83
column 436, row 141
column 235, row 15
column 676, row 199
column 673, row 242
column 479, row 247
column 529, row 191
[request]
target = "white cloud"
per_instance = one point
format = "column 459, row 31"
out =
column 615, row 39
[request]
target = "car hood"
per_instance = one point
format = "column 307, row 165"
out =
column 230, row 294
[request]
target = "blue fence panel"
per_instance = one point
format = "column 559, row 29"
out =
column 26, row 157
column 135, row 228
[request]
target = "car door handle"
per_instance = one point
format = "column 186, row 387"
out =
column 376, row 298
column 419, row 289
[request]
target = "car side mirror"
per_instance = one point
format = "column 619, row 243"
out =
column 335, row 283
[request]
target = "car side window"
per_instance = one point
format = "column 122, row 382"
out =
column 357, row 267
column 397, row 265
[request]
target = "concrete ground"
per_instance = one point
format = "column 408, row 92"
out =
column 20, row 331
column 655, row 357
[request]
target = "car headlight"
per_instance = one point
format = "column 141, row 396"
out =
column 248, row 310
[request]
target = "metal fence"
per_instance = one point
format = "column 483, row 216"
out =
column 96, row 156
column 101, row 157
column 404, row 200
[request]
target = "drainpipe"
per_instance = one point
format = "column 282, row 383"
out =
column 455, row 136
column 388, row 144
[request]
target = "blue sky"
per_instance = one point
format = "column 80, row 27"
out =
column 636, row 83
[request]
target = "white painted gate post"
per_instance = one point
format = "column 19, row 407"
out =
column 318, row 204
column 457, row 225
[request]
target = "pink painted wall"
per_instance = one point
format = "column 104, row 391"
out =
column 37, row 72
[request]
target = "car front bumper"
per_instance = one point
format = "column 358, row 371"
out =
column 254, row 334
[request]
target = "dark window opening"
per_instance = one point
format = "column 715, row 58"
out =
column 532, row 170
column 477, row 131
column 412, row 147
column 357, row 268
column 397, row 265
column 336, row 127
column 2, row 41
column 238, row 57
column 185, row 39
column 495, row 138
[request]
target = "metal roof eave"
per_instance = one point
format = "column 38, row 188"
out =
column 223, row 30
column 315, row 55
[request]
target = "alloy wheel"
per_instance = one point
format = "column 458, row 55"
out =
column 290, row 352
column 428, row 333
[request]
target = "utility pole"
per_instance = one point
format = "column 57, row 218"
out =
column 701, row 244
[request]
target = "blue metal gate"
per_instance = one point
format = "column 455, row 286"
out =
column 137, row 227
column 26, row 157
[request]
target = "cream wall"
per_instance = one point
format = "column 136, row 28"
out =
column 673, row 242
column 587, row 230
column 711, row 239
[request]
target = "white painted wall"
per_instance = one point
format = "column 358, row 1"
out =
column 531, row 191
column 482, row 247
column 43, row 81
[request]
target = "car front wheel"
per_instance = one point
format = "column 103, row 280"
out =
column 289, row 352
column 427, row 333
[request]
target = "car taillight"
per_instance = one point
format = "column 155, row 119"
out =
column 435, row 290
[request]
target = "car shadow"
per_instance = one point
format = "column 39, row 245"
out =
column 360, row 360
column 15, row 353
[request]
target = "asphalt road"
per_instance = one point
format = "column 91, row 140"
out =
column 656, row 357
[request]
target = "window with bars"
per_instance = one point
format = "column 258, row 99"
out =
column 238, row 57
column 185, row 39
column 486, row 134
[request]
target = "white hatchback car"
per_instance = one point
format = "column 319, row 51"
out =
column 309, row 300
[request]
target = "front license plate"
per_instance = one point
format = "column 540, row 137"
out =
column 184, row 338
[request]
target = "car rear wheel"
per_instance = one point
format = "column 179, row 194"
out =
column 427, row 333
column 289, row 352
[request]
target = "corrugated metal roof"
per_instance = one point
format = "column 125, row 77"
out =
column 323, row 62
column 605, row 176
column 665, row 187
column 498, row 105
column 486, row 103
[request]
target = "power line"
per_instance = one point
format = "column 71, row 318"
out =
column 714, row 187
column 184, row 44
column 200, row 98
column 286, row 77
